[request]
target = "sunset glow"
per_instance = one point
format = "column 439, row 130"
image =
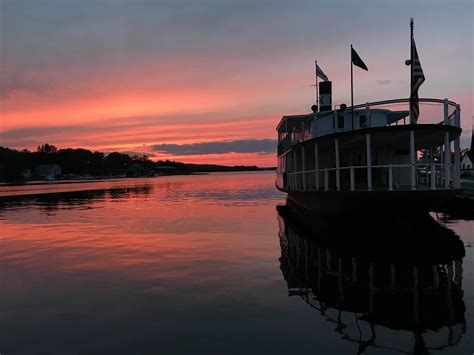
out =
column 109, row 76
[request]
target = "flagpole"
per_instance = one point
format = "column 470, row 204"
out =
column 317, row 92
column 411, row 70
column 352, row 92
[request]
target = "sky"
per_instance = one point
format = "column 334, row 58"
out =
column 208, row 81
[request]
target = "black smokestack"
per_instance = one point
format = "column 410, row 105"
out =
column 325, row 96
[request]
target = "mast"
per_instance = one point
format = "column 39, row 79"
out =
column 352, row 92
column 472, row 134
column 317, row 93
column 411, row 70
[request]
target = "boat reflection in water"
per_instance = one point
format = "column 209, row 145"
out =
column 373, row 279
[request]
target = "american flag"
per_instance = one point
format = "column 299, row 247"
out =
column 417, row 78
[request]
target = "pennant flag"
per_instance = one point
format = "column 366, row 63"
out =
column 417, row 78
column 320, row 73
column 357, row 61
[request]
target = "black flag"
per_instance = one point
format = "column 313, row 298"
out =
column 357, row 61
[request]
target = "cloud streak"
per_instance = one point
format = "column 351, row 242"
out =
column 138, row 130
column 260, row 146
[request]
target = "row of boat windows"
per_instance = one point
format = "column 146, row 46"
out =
column 340, row 125
column 340, row 122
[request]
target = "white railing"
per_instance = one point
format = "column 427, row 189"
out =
column 412, row 175
column 432, row 111
column 428, row 176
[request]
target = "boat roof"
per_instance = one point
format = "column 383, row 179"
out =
column 291, row 121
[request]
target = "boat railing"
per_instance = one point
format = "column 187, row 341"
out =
column 431, row 111
column 427, row 176
column 441, row 172
column 441, row 111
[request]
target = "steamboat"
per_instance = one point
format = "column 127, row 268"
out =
column 387, row 156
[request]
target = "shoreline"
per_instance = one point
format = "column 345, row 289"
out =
column 16, row 189
column 98, row 179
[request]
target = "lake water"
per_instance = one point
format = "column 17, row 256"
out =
column 206, row 265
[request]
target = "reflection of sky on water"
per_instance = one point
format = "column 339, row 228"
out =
column 186, row 264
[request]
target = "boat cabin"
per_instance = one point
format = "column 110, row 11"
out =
column 370, row 147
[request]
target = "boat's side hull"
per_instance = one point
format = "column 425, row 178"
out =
column 371, row 202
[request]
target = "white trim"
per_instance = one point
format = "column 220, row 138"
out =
column 432, row 171
column 303, row 166
column 446, row 114
column 447, row 159
column 352, row 179
column 338, row 175
column 316, row 164
column 412, row 160
column 326, row 180
column 390, row 178
column 368, row 120
column 369, row 161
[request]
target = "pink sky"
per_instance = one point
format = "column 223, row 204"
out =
column 114, row 76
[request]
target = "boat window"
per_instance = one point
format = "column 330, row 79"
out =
column 362, row 121
column 340, row 121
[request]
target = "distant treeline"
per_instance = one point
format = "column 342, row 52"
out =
column 203, row 168
column 14, row 163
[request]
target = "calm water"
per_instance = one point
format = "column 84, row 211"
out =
column 206, row 265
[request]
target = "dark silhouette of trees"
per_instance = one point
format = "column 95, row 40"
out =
column 117, row 160
column 14, row 163
column 72, row 161
column 46, row 148
column 79, row 161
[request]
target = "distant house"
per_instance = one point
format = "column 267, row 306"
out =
column 47, row 171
